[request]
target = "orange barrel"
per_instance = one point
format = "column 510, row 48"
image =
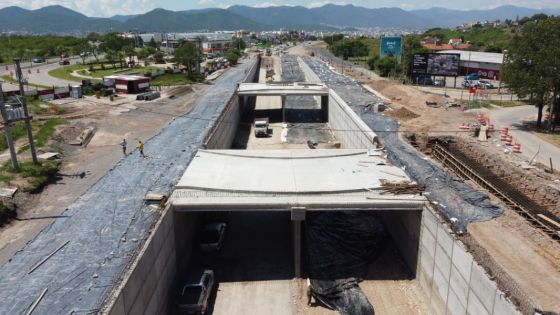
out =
column 505, row 130
column 517, row 148
column 490, row 126
column 503, row 137
column 508, row 140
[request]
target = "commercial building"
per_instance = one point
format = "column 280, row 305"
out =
column 128, row 84
column 487, row 65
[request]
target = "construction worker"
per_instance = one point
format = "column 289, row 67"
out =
column 141, row 148
column 123, row 145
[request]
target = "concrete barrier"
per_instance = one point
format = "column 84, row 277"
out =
column 223, row 132
column 347, row 126
column 449, row 276
column 147, row 286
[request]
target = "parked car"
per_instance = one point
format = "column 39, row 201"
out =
column 424, row 81
column 64, row 62
column 439, row 82
column 212, row 237
column 38, row 60
column 468, row 83
column 194, row 297
column 472, row 76
column 485, row 84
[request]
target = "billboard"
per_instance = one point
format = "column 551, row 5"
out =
column 436, row 64
column 391, row 47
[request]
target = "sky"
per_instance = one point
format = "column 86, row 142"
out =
column 105, row 8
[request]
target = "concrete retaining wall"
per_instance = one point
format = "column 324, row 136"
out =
column 223, row 132
column 452, row 281
column 347, row 126
column 148, row 285
column 404, row 228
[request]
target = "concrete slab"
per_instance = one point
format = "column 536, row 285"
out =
column 475, row 307
column 285, row 171
column 48, row 156
column 462, row 260
column 483, row 287
column 8, row 192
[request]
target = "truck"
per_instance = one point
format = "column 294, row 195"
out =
column 194, row 297
column 261, row 127
column 268, row 52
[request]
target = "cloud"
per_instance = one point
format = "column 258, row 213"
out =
column 318, row 4
column 98, row 8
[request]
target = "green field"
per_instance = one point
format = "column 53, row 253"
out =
column 171, row 79
column 65, row 73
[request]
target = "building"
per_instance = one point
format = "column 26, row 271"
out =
column 128, row 84
column 487, row 65
column 208, row 42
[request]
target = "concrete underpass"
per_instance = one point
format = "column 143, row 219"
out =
column 262, row 266
column 312, row 200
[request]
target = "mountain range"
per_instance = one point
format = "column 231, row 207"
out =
column 58, row 19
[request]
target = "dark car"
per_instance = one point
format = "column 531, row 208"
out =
column 472, row 76
column 194, row 297
column 38, row 60
column 64, row 62
column 424, row 81
column 212, row 237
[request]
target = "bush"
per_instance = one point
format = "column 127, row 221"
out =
column 6, row 214
column 88, row 90
column 38, row 174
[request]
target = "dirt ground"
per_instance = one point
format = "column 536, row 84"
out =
column 113, row 121
column 529, row 258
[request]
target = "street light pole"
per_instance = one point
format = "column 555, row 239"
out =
column 502, row 73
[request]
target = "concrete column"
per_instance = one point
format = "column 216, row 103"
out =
column 298, row 215
column 325, row 107
column 283, row 97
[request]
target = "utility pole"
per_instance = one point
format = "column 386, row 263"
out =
column 25, row 112
column 8, row 128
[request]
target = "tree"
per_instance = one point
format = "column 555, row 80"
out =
column 83, row 49
column 188, row 55
column 232, row 56
column 371, row 62
column 532, row 66
column 386, row 65
column 239, row 44
column 158, row 57
column 152, row 43
column 111, row 57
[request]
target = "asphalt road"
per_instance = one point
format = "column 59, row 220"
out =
column 530, row 144
column 38, row 73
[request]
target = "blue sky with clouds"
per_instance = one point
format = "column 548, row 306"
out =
column 112, row 7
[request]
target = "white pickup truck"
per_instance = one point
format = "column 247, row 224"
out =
column 261, row 127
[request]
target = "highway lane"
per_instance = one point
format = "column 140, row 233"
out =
column 38, row 73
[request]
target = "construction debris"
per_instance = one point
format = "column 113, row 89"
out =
column 400, row 187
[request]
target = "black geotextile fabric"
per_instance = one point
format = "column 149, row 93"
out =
column 339, row 246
